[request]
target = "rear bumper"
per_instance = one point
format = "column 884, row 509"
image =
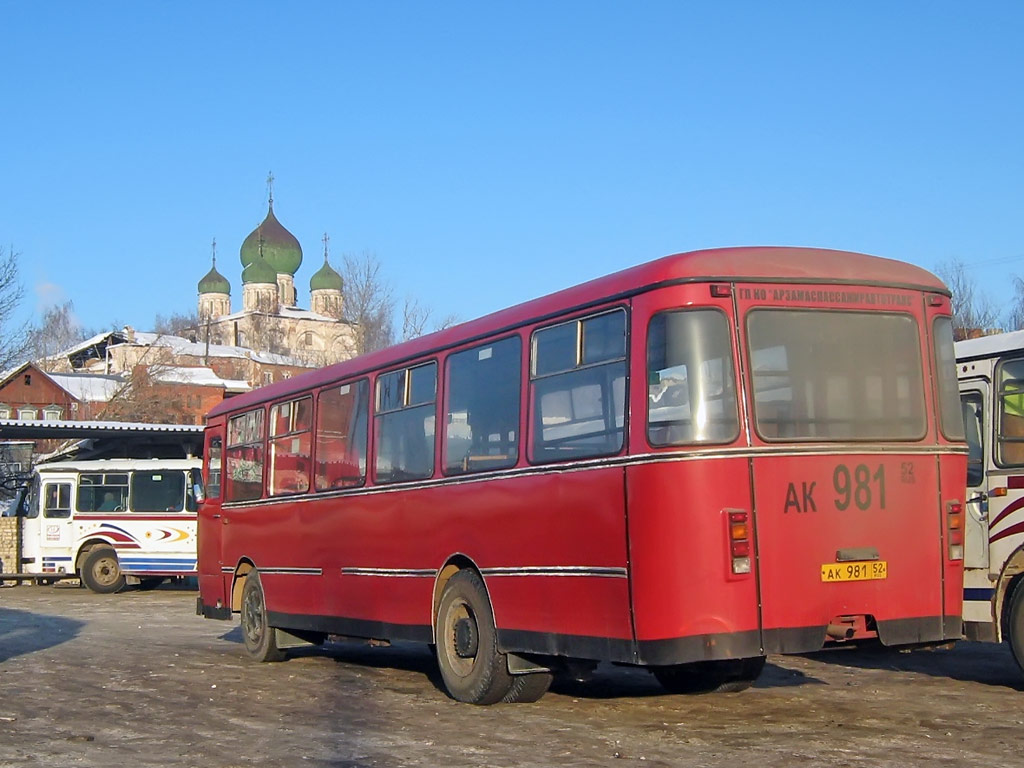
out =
column 895, row 633
column 211, row 611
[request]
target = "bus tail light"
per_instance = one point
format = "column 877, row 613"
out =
column 739, row 541
column 955, row 529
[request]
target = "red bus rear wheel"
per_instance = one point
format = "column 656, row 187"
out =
column 528, row 688
column 260, row 642
column 726, row 676
column 467, row 643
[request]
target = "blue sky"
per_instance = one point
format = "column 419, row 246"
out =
column 488, row 153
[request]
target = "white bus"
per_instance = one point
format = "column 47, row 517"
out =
column 111, row 521
column 991, row 374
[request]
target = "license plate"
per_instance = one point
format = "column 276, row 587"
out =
column 855, row 571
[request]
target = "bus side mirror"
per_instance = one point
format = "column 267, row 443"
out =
column 197, row 492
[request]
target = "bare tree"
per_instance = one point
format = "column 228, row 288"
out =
column 973, row 314
column 13, row 334
column 416, row 317
column 144, row 399
column 176, row 324
column 368, row 301
column 1015, row 315
column 57, row 330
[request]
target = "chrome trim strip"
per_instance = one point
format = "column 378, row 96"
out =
column 400, row 573
column 567, row 570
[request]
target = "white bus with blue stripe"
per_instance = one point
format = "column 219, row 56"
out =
column 111, row 522
column 991, row 374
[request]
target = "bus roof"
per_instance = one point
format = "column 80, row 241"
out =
column 988, row 346
column 777, row 264
column 117, row 465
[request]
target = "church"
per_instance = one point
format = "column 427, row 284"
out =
column 270, row 320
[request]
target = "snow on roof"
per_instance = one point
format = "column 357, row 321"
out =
column 306, row 314
column 89, row 387
column 96, row 426
column 198, row 376
column 181, row 346
column 92, row 341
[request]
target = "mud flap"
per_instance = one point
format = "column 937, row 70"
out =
column 520, row 665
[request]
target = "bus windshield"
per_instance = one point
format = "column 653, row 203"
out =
column 834, row 375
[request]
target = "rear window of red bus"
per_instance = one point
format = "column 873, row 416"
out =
column 836, row 375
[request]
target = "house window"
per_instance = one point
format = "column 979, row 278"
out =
column 268, row 377
column 26, row 414
column 52, row 413
column 5, row 411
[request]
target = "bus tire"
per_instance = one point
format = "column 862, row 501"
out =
column 1015, row 624
column 725, row 676
column 101, row 572
column 473, row 669
column 259, row 637
column 527, row 689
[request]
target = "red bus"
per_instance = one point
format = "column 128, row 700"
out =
column 686, row 465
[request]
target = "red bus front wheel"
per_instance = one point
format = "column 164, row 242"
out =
column 260, row 642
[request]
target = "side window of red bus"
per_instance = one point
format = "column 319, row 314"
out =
column 950, row 415
column 341, row 432
column 578, row 388
column 213, row 468
column 482, row 419
column 291, row 444
column 691, row 386
column 404, row 446
column 244, row 457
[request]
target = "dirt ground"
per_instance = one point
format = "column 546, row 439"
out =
column 137, row 679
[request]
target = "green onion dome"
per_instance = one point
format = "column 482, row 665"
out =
column 326, row 279
column 280, row 248
column 259, row 271
column 214, row 282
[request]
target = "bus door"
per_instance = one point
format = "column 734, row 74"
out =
column 55, row 527
column 209, row 521
column 972, row 401
column 847, row 525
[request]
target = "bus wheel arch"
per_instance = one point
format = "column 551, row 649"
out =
column 474, row 670
column 86, row 548
column 101, row 570
column 454, row 564
column 1010, row 593
column 259, row 637
column 242, row 571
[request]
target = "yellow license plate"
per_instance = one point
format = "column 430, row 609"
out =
column 855, row 571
